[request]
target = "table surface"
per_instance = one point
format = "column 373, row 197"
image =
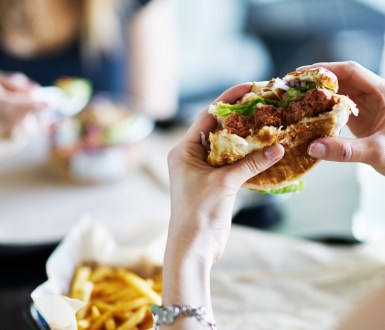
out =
column 37, row 207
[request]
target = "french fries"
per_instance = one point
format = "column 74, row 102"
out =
column 116, row 298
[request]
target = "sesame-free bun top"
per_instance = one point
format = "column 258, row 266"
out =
column 320, row 76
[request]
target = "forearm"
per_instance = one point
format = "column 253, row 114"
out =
column 369, row 314
column 186, row 281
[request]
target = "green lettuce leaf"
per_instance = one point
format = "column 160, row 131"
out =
column 225, row 109
column 296, row 93
column 294, row 187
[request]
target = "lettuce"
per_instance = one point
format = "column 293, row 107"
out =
column 225, row 109
column 297, row 186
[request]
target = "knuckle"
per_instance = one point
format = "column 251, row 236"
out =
column 352, row 64
column 346, row 152
column 255, row 166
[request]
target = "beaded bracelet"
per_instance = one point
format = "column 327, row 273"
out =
column 168, row 314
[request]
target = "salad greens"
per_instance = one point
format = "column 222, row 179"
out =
column 225, row 109
column 297, row 186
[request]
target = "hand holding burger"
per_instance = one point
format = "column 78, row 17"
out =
column 295, row 110
column 367, row 90
column 202, row 199
column 202, row 195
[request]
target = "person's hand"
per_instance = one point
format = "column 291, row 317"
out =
column 16, row 101
column 202, row 200
column 367, row 90
column 202, row 196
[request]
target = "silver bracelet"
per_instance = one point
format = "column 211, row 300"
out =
column 168, row 314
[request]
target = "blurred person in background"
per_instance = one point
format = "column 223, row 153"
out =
column 202, row 199
column 124, row 46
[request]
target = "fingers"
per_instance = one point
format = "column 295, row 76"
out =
column 234, row 93
column 255, row 163
column 352, row 77
column 369, row 150
column 17, row 82
column 206, row 122
column 10, row 100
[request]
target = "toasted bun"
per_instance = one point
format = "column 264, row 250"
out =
column 320, row 76
column 296, row 161
column 227, row 148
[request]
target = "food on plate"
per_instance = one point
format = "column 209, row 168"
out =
column 74, row 86
column 116, row 298
column 100, row 143
column 66, row 97
column 300, row 107
column 78, row 93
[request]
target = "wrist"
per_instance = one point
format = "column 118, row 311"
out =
column 198, row 235
column 186, row 279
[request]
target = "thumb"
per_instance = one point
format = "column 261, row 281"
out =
column 369, row 150
column 256, row 163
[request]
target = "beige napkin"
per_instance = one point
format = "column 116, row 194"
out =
column 266, row 281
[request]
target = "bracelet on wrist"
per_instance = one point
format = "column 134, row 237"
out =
column 167, row 315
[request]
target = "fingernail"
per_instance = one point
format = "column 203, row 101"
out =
column 19, row 80
column 273, row 153
column 317, row 150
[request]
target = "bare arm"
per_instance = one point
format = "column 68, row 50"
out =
column 202, row 199
column 369, row 315
column 154, row 58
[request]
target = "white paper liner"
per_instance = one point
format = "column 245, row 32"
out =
column 88, row 241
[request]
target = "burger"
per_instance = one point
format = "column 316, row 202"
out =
column 293, row 111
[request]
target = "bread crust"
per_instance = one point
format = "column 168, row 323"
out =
column 320, row 76
column 296, row 161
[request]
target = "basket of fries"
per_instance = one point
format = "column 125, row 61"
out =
column 96, row 284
